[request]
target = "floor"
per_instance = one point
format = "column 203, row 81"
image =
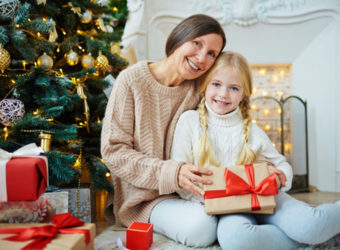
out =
column 314, row 197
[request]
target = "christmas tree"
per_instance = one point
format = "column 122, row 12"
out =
column 54, row 56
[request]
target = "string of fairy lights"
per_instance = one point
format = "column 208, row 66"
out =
column 12, row 110
column 274, row 80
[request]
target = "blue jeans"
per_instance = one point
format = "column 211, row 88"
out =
column 293, row 223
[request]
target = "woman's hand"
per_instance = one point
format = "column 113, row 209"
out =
column 281, row 177
column 189, row 173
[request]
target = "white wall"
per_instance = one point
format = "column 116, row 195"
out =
column 305, row 34
column 315, row 80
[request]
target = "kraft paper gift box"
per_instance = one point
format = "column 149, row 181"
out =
column 23, row 174
column 65, row 239
column 241, row 189
column 41, row 210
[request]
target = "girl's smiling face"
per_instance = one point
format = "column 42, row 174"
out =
column 224, row 91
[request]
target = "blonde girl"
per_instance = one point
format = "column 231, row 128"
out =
column 219, row 134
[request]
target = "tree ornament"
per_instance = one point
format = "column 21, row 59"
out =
column 5, row 59
column 102, row 63
column 115, row 48
column 11, row 111
column 8, row 8
column 45, row 61
column 72, row 58
column 87, row 61
column 53, row 36
column 109, row 28
column 41, row 2
column 101, row 25
column 45, row 141
column 103, row 2
column 86, row 17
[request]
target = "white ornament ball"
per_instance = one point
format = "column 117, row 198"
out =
column 8, row 8
column 109, row 28
column 72, row 58
column 103, row 2
column 45, row 61
column 87, row 61
column 86, row 17
column 11, row 111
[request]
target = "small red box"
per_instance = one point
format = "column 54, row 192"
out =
column 26, row 177
column 139, row 236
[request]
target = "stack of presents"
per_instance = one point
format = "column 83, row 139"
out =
column 31, row 216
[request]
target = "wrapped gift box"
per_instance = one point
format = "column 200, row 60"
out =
column 41, row 210
column 139, row 236
column 86, row 209
column 236, row 189
column 74, row 241
column 26, row 178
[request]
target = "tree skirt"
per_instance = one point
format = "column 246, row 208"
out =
column 110, row 239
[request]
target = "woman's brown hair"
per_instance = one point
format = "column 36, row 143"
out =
column 190, row 28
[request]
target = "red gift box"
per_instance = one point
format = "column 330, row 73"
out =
column 26, row 178
column 139, row 236
column 23, row 174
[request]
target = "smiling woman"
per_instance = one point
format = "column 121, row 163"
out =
column 145, row 104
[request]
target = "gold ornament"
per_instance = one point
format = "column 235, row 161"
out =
column 5, row 59
column 115, row 48
column 87, row 61
column 102, row 63
column 45, row 61
column 100, row 23
column 41, row 2
column 81, row 93
column 72, row 58
column 76, row 10
column 45, row 141
column 86, row 17
column 53, row 34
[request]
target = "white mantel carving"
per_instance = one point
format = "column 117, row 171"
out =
column 250, row 12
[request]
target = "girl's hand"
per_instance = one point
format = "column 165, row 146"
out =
column 189, row 173
column 281, row 177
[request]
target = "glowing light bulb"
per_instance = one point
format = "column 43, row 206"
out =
column 267, row 127
column 262, row 72
column 266, row 111
column 255, row 90
column 275, row 78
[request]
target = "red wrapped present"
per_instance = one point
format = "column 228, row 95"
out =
column 23, row 174
column 247, row 188
column 139, row 236
column 65, row 232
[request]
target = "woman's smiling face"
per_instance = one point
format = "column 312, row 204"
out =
column 224, row 91
column 193, row 58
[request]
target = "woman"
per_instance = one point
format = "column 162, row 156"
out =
column 145, row 104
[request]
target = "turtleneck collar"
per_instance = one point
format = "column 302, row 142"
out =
column 226, row 120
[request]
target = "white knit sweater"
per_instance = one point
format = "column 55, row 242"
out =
column 226, row 136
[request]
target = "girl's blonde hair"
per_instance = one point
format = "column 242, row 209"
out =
column 203, row 151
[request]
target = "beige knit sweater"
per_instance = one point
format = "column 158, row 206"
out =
column 136, row 140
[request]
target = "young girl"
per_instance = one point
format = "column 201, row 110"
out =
column 220, row 133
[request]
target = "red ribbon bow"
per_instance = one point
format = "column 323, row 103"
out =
column 43, row 235
column 235, row 185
